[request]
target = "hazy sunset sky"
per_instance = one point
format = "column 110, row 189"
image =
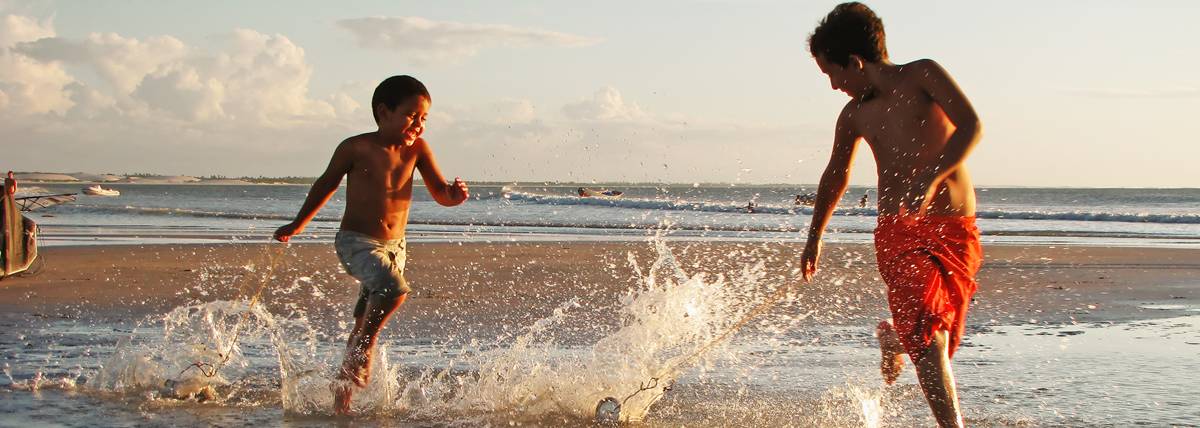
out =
column 1097, row 93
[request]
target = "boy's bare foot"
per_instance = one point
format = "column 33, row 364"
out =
column 355, row 372
column 891, row 359
column 356, row 367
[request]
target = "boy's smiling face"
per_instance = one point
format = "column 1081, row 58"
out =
column 849, row 79
column 407, row 120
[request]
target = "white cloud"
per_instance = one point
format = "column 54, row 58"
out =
column 253, row 79
column 159, row 104
column 266, row 79
column 243, row 106
column 17, row 29
column 183, row 93
column 121, row 61
column 424, row 42
column 32, row 87
column 90, row 104
column 28, row 86
column 604, row 105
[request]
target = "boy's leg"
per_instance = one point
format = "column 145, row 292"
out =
column 362, row 339
column 357, row 362
column 343, row 387
column 891, row 351
column 936, row 377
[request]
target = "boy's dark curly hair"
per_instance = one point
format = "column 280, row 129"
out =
column 850, row 29
column 396, row 89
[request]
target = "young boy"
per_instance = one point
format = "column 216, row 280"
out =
column 920, row 128
column 379, row 166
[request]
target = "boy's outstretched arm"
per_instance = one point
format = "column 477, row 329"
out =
column 321, row 191
column 445, row 194
column 967, row 130
column 829, row 192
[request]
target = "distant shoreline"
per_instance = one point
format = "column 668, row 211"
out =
column 163, row 183
column 87, row 178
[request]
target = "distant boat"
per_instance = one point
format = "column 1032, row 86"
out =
column 585, row 192
column 96, row 190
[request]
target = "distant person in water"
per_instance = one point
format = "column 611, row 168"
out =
column 862, row 203
column 920, row 127
column 379, row 168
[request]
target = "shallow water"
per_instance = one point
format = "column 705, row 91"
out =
column 794, row 366
column 1091, row 375
column 202, row 213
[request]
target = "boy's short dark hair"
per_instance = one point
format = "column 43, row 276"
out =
column 850, row 29
column 395, row 89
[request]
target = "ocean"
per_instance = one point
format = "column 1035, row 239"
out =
column 524, row 211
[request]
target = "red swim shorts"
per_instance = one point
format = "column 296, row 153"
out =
column 929, row 265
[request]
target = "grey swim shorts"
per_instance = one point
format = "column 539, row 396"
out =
column 377, row 264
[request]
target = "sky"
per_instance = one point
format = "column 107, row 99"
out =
column 1090, row 94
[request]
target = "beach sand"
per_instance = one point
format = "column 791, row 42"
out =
column 507, row 283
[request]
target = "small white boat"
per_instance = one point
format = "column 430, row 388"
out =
column 96, row 190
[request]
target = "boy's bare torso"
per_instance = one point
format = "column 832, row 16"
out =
column 379, row 186
column 907, row 131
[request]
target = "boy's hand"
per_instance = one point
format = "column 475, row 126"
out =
column 285, row 232
column 808, row 259
column 459, row 191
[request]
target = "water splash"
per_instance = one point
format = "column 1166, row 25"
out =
column 213, row 351
column 235, row 352
column 663, row 323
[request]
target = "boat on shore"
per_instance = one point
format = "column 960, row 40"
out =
column 96, row 190
column 18, row 234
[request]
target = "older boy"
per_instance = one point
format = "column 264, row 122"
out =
column 920, row 128
column 379, row 166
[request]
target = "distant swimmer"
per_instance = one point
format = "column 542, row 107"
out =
column 370, row 243
column 806, row 199
column 598, row 193
column 862, row 203
column 751, row 207
column 921, row 127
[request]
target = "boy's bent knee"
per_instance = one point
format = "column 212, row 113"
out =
column 389, row 292
column 936, row 350
column 384, row 303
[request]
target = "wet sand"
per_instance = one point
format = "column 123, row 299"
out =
column 1039, row 349
column 503, row 283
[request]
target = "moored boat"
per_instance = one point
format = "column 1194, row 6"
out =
column 96, row 190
